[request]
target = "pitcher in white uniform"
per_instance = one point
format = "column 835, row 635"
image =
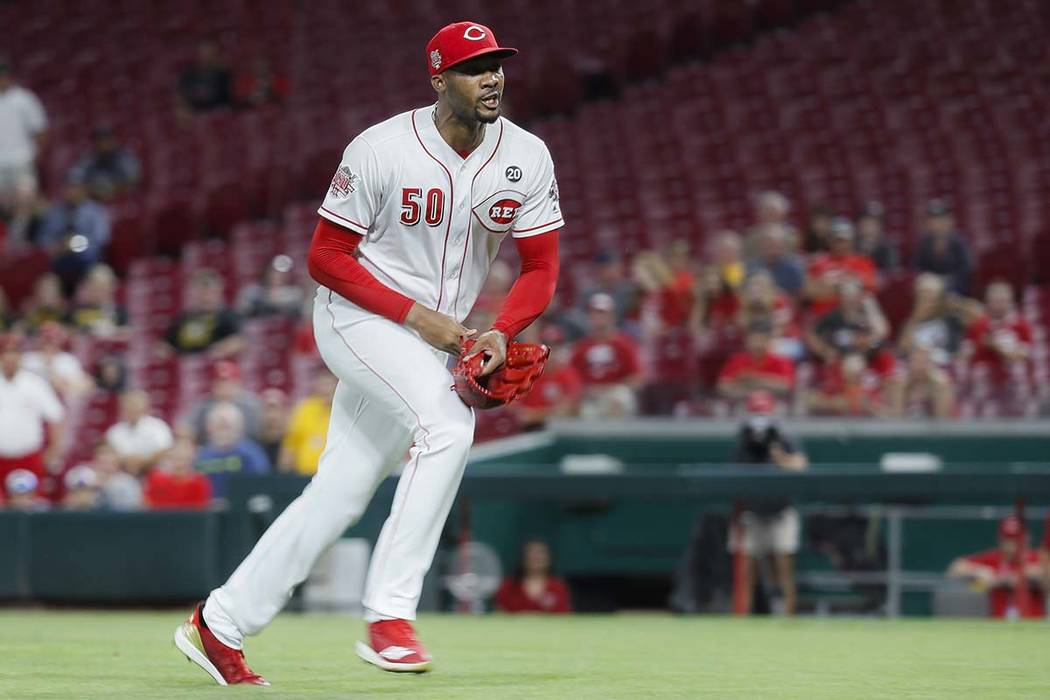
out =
column 414, row 217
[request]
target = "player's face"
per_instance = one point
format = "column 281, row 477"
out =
column 474, row 89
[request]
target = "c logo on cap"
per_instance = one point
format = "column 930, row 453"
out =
column 474, row 33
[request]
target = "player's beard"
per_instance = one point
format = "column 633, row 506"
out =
column 472, row 112
column 490, row 117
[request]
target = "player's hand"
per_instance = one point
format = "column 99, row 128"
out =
column 494, row 344
column 441, row 331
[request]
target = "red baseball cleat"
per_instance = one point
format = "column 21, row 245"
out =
column 393, row 647
column 225, row 664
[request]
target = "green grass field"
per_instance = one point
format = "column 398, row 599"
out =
column 84, row 655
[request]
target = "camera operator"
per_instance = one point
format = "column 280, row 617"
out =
column 767, row 526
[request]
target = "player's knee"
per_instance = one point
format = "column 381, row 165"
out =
column 451, row 432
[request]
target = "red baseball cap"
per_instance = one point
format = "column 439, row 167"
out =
column 462, row 41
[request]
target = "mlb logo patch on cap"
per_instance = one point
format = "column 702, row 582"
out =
column 462, row 41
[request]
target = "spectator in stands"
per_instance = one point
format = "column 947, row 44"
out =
column 769, row 526
column 1000, row 340
column 139, row 439
column 938, row 320
column 856, row 325
column 226, row 387
column 926, row 390
column 849, row 388
column 110, row 374
column 818, row 230
column 608, row 278
column 52, row 362
column 718, row 285
column 75, row 233
column 119, row 490
column 1000, row 570
column 771, row 211
column 23, row 127
column 827, row 270
column 773, row 255
column 608, row 363
column 110, row 169
column 999, row 345
column 96, row 310
column 275, row 294
column 82, row 489
column 307, row 430
column 667, row 295
column 557, row 392
column 273, row 422
column 761, row 300
column 22, row 487
column 756, row 368
column 871, row 238
column 534, row 588
column 260, row 86
column 23, row 214
column 31, row 415
column 227, row 450
column 206, row 324
column 941, row 249
column 205, row 85
column 174, row 484
column 46, row 303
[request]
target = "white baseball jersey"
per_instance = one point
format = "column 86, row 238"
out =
column 432, row 220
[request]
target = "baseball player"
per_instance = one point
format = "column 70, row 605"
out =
column 414, row 217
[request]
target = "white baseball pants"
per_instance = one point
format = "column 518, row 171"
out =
column 394, row 392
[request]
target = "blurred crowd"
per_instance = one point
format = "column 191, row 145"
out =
column 797, row 311
column 69, row 219
column 803, row 305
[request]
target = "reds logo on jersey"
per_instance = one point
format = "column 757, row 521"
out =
column 503, row 211
column 498, row 211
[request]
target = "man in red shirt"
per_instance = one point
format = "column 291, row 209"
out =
column 608, row 363
column 828, row 270
column 1000, row 570
column 999, row 344
column 756, row 367
column 174, row 484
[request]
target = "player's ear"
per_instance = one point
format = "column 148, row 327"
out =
column 438, row 83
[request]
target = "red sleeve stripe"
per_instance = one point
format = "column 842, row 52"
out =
column 342, row 219
column 559, row 221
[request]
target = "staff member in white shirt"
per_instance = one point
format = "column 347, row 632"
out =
column 30, row 414
column 22, row 126
column 139, row 439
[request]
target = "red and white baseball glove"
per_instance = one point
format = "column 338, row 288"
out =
column 513, row 380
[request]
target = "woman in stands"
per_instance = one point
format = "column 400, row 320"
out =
column 535, row 588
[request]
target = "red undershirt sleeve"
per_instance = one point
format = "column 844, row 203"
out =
column 332, row 263
column 534, row 288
